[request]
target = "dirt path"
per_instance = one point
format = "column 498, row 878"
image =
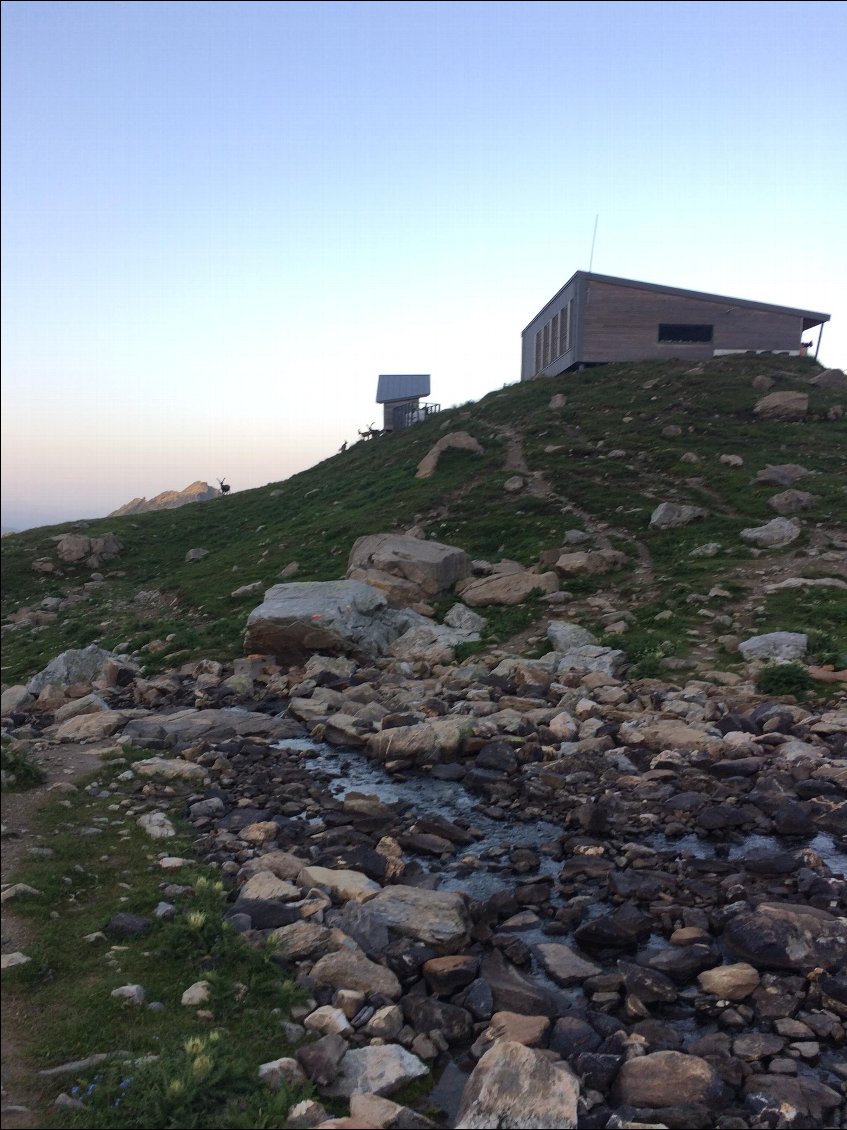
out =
column 68, row 763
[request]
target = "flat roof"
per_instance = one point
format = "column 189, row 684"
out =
column 810, row 317
column 401, row 386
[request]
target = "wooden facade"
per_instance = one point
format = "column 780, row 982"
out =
column 595, row 319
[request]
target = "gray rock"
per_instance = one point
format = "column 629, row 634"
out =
column 669, row 515
column 517, row 1088
column 85, row 665
column 564, row 636
column 156, row 825
column 196, row 554
column 775, row 645
column 437, row 918
column 460, row 616
column 781, row 474
column 430, row 566
column 379, row 1070
column 792, row 501
column 330, row 617
column 773, row 535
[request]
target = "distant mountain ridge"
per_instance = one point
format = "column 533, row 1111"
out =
column 168, row 500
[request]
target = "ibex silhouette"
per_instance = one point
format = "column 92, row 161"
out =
column 370, row 432
column 224, row 485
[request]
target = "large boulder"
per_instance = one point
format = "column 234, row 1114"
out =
column 430, row 566
column 76, row 548
column 462, row 441
column 506, row 588
column 86, row 665
column 783, row 935
column 780, row 474
column 331, row 617
column 515, row 1087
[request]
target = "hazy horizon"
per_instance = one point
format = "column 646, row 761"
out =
column 222, row 221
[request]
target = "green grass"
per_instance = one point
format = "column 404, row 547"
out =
column 205, row 1070
column 314, row 517
column 19, row 771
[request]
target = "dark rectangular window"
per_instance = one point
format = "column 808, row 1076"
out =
column 684, row 334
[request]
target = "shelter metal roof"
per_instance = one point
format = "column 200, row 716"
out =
column 401, row 386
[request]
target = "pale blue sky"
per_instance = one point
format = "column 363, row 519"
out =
column 222, row 221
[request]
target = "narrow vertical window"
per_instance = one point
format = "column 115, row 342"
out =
column 546, row 360
column 554, row 337
column 538, row 365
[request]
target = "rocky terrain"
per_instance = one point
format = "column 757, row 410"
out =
column 634, row 890
column 505, row 793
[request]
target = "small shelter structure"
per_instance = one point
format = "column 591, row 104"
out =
column 400, row 395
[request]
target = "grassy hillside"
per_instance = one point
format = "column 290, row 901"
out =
column 600, row 464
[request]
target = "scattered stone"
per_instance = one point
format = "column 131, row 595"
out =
column 773, row 535
column 669, row 515
column 13, row 960
column 661, row 1079
column 128, row 994
column 156, row 825
column 196, row 994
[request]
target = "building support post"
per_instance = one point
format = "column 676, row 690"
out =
column 820, row 335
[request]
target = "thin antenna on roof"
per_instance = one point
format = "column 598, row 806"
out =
column 593, row 239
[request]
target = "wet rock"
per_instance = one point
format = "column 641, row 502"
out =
column 571, row 1036
column 649, row 985
column 781, row 1100
column 512, row 992
column 781, row 935
column 516, row 1087
column 563, row 965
